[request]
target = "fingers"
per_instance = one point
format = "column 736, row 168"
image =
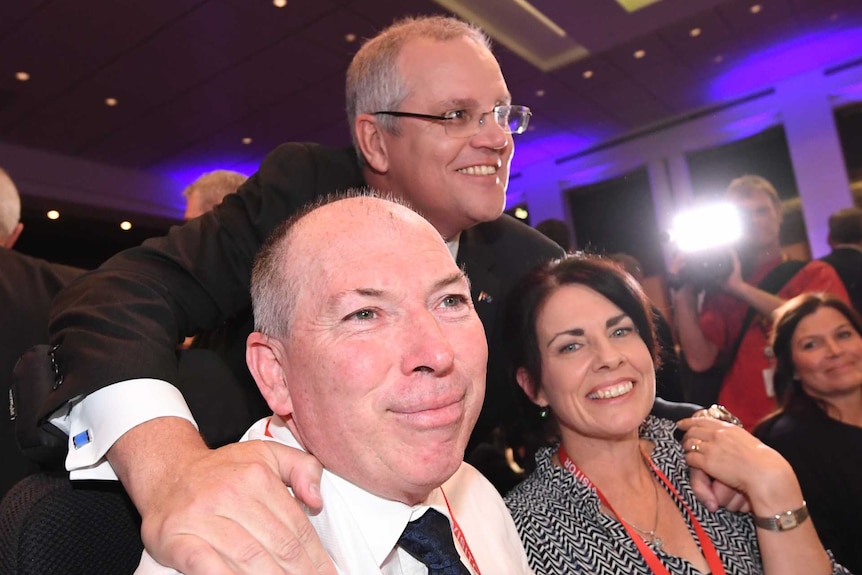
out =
column 701, row 484
column 231, row 512
column 301, row 471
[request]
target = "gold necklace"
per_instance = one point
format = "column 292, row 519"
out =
column 649, row 535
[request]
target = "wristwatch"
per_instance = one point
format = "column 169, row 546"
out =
column 783, row 521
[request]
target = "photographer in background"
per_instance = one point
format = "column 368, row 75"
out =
column 724, row 342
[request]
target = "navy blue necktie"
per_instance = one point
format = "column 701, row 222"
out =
column 429, row 540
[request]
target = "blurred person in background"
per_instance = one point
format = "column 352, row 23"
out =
column 845, row 238
column 558, row 231
column 817, row 342
column 209, row 190
column 27, row 286
column 667, row 376
column 727, row 334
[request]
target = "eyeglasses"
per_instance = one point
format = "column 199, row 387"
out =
column 463, row 123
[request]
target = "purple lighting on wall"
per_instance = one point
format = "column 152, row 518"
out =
column 786, row 59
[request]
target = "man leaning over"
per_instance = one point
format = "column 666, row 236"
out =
column 432, row 120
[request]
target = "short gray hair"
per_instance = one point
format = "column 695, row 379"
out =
column 213, row 186
column 373, row 80
column 274, row 290
column 10, row 206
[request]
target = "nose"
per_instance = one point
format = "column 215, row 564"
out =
column 427, row 346
column 490, row 134
column 833, row 346
column 607, row 355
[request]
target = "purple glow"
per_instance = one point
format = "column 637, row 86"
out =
column 548, row 148
column 787, row 59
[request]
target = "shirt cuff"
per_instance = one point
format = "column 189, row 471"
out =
column 96, row 421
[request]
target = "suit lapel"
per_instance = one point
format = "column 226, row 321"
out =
column 478, row 260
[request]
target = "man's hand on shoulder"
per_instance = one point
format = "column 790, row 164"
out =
column 223, row 511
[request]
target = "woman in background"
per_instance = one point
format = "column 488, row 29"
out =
column 818, row 427
column 614, row 495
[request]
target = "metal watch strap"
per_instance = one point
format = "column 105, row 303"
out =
column 783, row 521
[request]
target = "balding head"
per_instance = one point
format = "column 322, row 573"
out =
column 10, row 208
column 380, row 371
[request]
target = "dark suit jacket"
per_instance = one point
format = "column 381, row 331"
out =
column 124, row 320
column 27, row 286
column 848, row 263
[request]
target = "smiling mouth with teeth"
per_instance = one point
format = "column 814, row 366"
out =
column 613, row 391
column 479, row 170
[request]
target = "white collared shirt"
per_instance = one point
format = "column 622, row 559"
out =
column 360, row 530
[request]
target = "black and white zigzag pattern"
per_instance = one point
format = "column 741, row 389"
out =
column 565, row 533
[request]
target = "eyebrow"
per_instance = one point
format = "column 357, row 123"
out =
column 451, row 279
column 472, row 102
column 578, row 332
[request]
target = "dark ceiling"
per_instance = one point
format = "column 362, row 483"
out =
column 193, row 78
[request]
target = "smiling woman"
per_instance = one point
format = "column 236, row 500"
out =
column 818, row 352
column 614, row 494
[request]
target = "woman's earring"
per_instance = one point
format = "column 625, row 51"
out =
column 544, row 412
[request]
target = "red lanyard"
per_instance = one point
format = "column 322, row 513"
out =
column 459, row 536
column 652, row 560
column 456, row 529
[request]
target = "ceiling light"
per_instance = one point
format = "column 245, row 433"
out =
column 111, row 102
column 351, row 37
column 718, row 59
column 22, row 76
column 125, row 225
column 755, row 8
column 834, row 16
column 694, row 32
column 279, row 3
column 635, row 5
column 522, row 28
column 587, row 74
column 53, row 215
column 639, row 54
column 246, row 141
column 540, row 93
column 521, row 213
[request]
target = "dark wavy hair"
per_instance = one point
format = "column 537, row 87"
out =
column 788, row 390
column 529, row 295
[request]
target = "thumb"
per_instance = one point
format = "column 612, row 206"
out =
column 300, row 471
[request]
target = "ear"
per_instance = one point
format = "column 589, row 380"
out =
column 526, row 383
column 264, row 356
column 370, row 137
column 13, row 237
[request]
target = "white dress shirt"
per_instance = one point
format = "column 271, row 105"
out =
column 360, row 531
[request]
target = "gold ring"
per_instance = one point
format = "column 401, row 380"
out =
column 695, row 445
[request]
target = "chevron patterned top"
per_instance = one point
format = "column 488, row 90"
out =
column 565, row 533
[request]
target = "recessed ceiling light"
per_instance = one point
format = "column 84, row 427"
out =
column 111, row 102
column 718, row 59
column 587, row 74
column 246, row 141
column 540, row 93
column 755, row 8
column 639, row 54
column 22, row 76
column 125, row 225
column 694, row 32
column 834, row 16
column 351, row 37
column 279, row 3
column 53, row 215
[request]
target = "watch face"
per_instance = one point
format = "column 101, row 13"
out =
column 787, row 521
